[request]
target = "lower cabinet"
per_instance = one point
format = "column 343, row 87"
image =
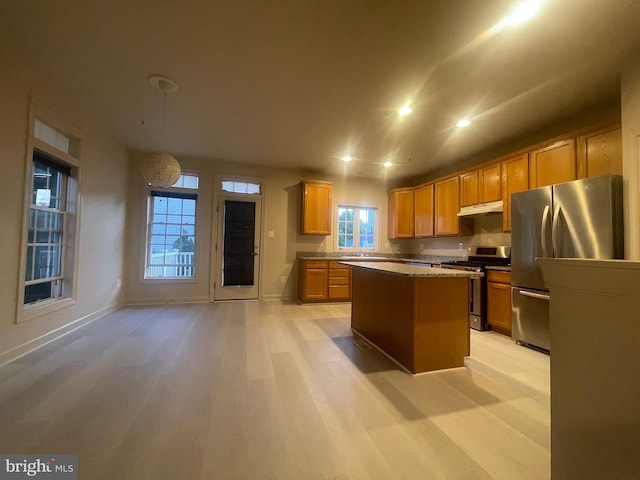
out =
column 323, row 281
column 499, row 301
column 339, row 282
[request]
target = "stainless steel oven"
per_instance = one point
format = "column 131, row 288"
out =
column 478, row 259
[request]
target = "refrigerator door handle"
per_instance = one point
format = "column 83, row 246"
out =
column 543, row 230
column 534, row 295
column 554, row 229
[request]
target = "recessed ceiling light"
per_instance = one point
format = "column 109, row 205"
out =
column 387, row 164
column 463, row 123
column 405, row 110
column 346, row 158
column 525, row 11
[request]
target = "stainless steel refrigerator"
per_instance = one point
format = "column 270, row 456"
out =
column 579, row 219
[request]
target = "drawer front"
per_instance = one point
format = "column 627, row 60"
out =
column 339, row 291
column 334, row 264
column 499, row 276
column 339, row 272
column 339, row 281
column 315, row 263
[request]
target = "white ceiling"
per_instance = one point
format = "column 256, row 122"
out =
column 298, row 82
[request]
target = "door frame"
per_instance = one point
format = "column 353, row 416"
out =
column 216, row 247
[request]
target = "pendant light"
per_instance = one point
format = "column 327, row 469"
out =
column 160, row 169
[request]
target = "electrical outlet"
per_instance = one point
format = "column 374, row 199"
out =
column 283, row 279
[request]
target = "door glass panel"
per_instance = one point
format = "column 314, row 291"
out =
column 238, row 243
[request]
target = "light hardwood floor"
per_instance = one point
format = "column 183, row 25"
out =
column 268, row 391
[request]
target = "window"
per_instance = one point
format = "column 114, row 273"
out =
column 249, row 188
column 44, row 272
column 172, row 231
column 356, row 228
column 49, row 243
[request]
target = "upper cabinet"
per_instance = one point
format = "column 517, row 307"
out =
column 515, row 178
column 481, row 185
column 401, row 213
column 447, row 206
column 432, row 209
column 490, row 183
column 469, row 191
column 555, row 163
column 600, row 152
column 317, row 205
column 424, row 211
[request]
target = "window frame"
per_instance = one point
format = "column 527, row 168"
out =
column 71, row 225
column 147, row 226
column 356, row 233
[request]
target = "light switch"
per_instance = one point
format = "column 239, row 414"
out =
column 271, row 233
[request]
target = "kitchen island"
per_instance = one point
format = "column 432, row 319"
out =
column 418, row 316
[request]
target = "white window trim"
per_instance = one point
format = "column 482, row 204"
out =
column 38, row 111
column 376, row 232
column 144, row 231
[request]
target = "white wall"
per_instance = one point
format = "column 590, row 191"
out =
column 102, row 213
column 281, row 208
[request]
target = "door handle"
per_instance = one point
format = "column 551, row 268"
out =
column 554, row 228
column 543, row 230
column 539, row 296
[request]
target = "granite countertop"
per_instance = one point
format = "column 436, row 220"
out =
column 413, row 270
column 373, row 257
column 499, row 268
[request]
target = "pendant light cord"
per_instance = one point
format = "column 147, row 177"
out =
column 164, row 111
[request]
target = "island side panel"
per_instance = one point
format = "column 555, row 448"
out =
column 442, row 323
column 382, row 310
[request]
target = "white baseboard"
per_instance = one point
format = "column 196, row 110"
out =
column 138, row 302
column 39, row 342
column 276, row 298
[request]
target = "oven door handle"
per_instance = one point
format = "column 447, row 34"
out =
column 539, row 296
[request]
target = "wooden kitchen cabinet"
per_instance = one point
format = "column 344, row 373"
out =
column 317, row 206
column 323, row 281
column 515, row 178
column 489, row 183
column 480, row 186
column 499, row 301
column 339, row 282
column 313, row 280
column 401, row 210
column 552, row 164
column 447, row 206
column 469, row 189
column 424, row 211
column 600, row 152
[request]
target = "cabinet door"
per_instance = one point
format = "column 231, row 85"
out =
column 490, row 190
column 317, row 204
column 499, row 307
column 600, row 152
column 316, row 283
column 447, row 202
column 469, row 189
column 401, row 213
column 553, row 164
column 515, row 178
column 424, row 211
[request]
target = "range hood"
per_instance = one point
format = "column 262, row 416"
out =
column 481, row 209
